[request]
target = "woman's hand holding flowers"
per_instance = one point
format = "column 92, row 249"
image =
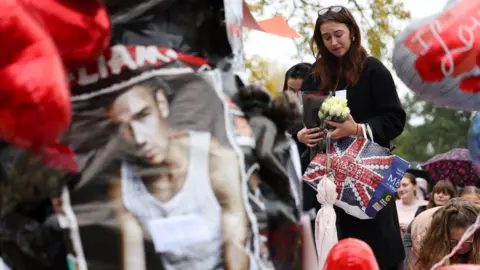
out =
column 310, row 137
column 335, row 115
column 347, row 128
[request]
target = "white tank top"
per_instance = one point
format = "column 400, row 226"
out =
column 195, row 197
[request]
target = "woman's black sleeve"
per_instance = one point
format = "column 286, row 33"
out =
column 390, row 116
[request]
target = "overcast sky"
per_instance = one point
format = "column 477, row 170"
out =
column 283, row 50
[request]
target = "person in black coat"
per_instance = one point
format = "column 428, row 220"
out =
column 343, row 64
column 293, row 82
column 294, row 77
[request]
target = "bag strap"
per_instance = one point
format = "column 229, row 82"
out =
column 367, row 129
column 364, row 132
column 370, row 133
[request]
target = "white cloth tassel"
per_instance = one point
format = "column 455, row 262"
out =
column 325, row 227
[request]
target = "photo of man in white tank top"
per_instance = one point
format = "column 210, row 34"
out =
column 183, row 187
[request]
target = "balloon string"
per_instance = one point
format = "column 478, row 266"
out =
column 468, row 233
column 328, row 141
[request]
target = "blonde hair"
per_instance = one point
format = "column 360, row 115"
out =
column 469, row 190
column 457, row 213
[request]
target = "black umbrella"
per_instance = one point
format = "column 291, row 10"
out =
column 416, row 169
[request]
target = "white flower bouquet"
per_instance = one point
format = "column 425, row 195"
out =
column 334, row 109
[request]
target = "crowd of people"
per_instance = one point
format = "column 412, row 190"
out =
column 425, row 222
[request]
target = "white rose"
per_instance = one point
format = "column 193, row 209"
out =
column 338, row 100
column 321, row 115
column 325, row 107
column 332, row 101
column 345, row 112
column 336, row 110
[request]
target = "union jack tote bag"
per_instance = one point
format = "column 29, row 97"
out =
column 366, row 174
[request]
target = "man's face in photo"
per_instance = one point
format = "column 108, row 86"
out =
column 144, row 113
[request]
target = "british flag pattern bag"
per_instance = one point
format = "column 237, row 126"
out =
column 366, row 174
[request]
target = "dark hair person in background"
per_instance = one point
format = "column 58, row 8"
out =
column 442, row 192
column 293, row 81
column 343, row 64
column 294, row 77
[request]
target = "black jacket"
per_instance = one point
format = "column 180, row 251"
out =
column 373, row 100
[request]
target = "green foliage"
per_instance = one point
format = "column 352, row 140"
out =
column 376, row 22
column 442, row 130
column 383, row 13
column 268, row 74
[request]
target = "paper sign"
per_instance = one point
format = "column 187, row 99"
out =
column 174, row 233
column 341, row 94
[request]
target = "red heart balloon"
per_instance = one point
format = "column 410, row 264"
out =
column 38, row 38
column 80, row 29
column 438, row 57
column 351, row 254
column 35, row 103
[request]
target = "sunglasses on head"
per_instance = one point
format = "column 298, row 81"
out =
column 334, row 9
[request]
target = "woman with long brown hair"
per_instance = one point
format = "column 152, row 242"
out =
column 443, row 191
column 294, row 77
column 447, row 227
column 343, row 67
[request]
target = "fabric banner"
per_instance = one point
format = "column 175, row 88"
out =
column 161, row 182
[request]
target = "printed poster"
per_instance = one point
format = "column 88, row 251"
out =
column 162, row 185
